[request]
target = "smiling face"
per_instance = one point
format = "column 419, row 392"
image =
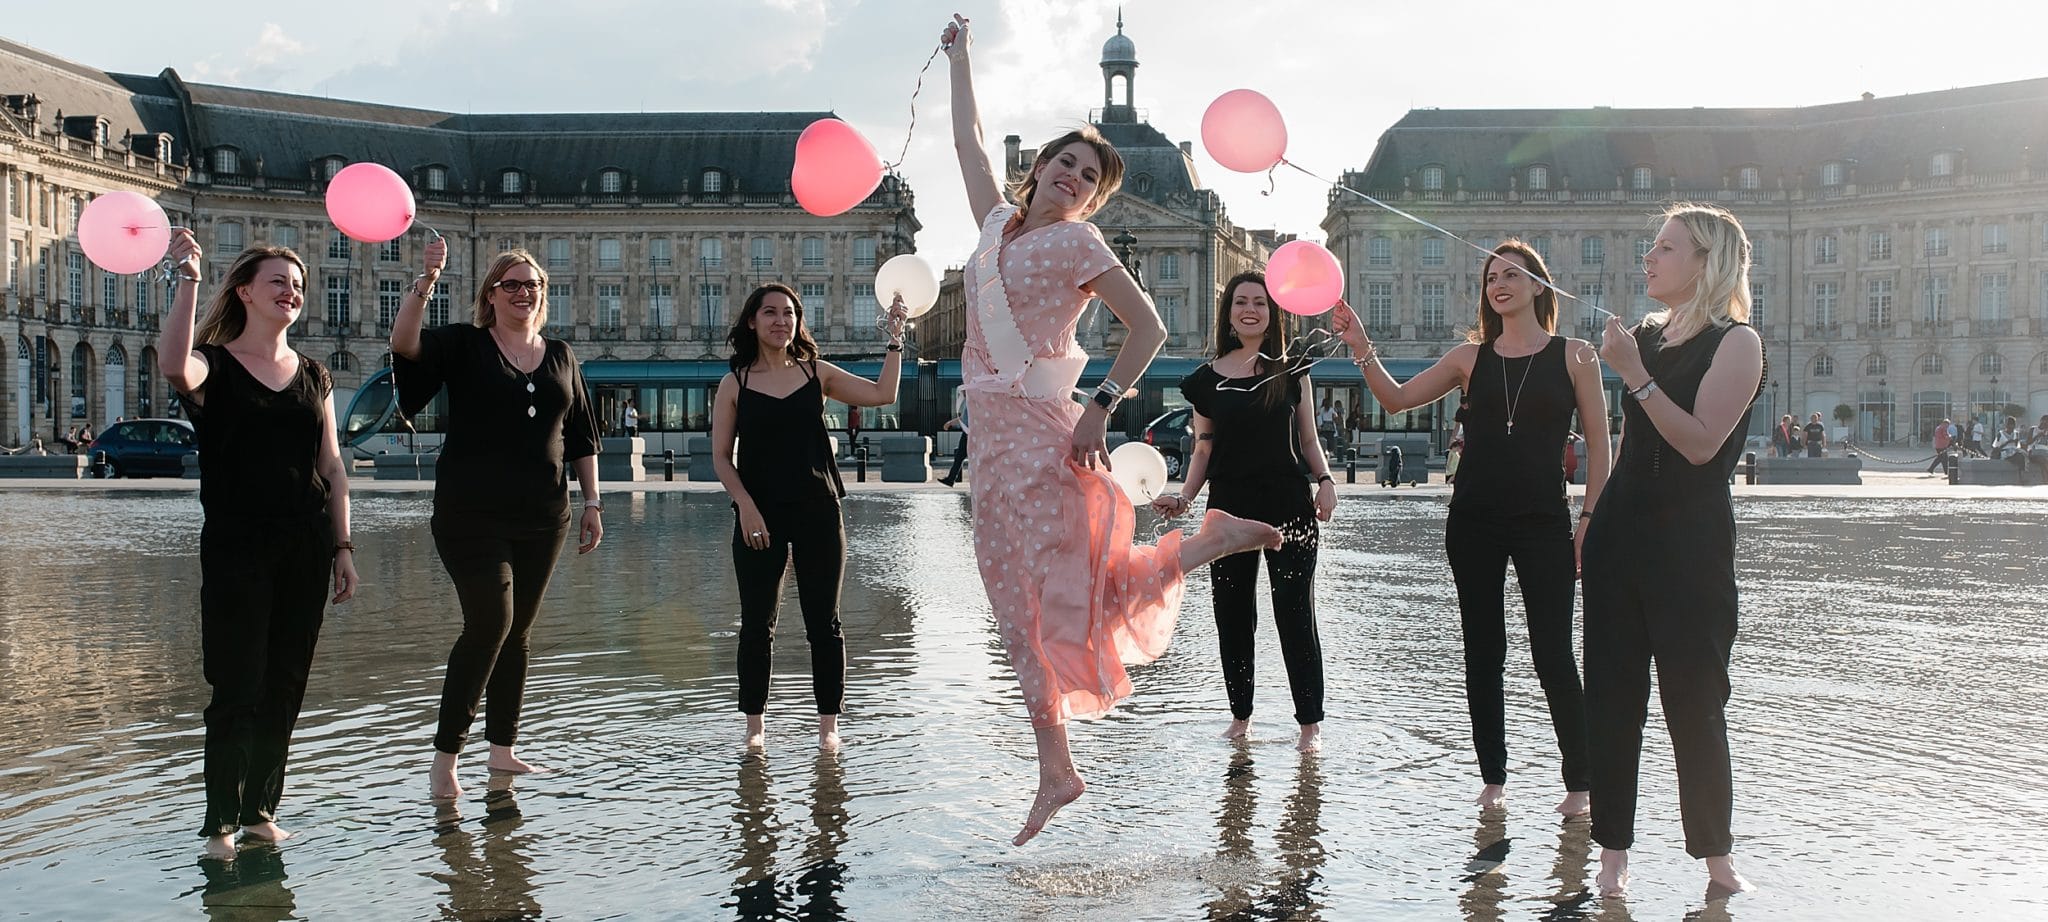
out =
column 1251, row 313
column 775, row 323
column 1674, row 265
column 1510, row 289
column 518, row 296
column 1069, row 180
column 276, row 293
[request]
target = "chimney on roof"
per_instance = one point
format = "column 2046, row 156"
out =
column 1868, row 96
column 1187, row 149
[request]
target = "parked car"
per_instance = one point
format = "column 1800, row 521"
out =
column 147, row 447
column 1174, row 436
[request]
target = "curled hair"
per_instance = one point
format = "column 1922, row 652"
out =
column 1490, row 324
column 1112, row 177
column 1720, row 295
column 746, row 344
column 226, row 315
column 484, row 315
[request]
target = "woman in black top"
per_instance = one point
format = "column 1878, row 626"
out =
column 518, row 419
column 1522, row 383
column 785, row 490
column 1252, row 407
column 1660, row 555
column 276, row 500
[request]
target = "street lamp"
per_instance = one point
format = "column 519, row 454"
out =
column 1122, row 244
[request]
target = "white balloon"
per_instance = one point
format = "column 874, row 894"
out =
column 1139, row 470
column 909, row 275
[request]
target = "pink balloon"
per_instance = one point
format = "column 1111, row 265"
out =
column 835, row 168
column 1243, row 131
column 1304, row 278
column 369, row 202
column 124, row 232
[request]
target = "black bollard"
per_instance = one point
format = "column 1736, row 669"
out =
column 1749, row 462
column 1350, row 465
column 860, row 463
column 668, row 463
column 99, row 464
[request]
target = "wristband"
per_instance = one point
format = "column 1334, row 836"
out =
column 1642, row 393
column 1326, row 478
column 596, row 504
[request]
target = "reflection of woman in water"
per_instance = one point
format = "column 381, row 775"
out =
column 1075, row 600
column 1298, row 838
column 813, row 891
column 495, row 881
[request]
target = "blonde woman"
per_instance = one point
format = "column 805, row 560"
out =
column 519, row 419
column 1659, row 561
column 275, row 497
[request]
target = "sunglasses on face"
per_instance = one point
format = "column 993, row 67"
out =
column 513, row 286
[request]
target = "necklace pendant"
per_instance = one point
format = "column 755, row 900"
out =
column 530, row 411
column 529, row 387
column 1511, row 427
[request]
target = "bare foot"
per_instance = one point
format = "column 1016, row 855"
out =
column 1238, row 729
column 1613, row 878
column 220, row 848
column 1224, row 534
column 267, row 831
column 757, row 732
column 502, row 760
column 1575, row 803
column 441, row 778
column 1492, row 796
column 1052, row 795
column 828, row 733
column 1311, row 739
column 1723, row 879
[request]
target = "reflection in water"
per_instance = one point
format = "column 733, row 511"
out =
column 490, row 874
column 1248, row 892
column 759, row 891
column 1482, row 900
column 248, row 889
column 1573, row 896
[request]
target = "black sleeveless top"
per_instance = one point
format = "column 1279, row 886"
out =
column 1647, row 461
column 259, row 449
column 1516, row 470
column 784, row 454
column 1254, row 469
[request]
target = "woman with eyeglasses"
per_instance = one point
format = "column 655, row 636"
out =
column 518, row 419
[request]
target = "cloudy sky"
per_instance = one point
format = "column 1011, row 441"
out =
column 1341, row 72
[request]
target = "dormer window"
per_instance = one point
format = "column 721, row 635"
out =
column 1142, row 184
column 227, row 161
column 1832, row 173
column 611, row 182
column 1749, row 178
column 1642, row 179
column 713, row 181
column 1539, row 178
column 1943, row 163
column 1432, row 178
column 435, row 178
column 512, row 182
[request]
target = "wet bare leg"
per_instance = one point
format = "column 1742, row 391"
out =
column 1575, row 803
column 1492, row 796
column 1058, row 783
column 1613, row 879
column 1238, row 729
column 1224, row 534
column 757, row 732
column 441, row 780
column 1721, row 875
column 267, row 831
column 1311, row 739
column 220, row 848
column 828, row 733
column 502, row 760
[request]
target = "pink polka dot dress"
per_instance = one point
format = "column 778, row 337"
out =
column 1076, row 601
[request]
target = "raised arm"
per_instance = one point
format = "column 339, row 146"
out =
column 412, row 307
column 984, row 191
column 852, row 389
column 184, row 369
column 1453, row 370
column 1726, row 391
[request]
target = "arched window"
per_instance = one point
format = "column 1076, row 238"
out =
column 1539, row 178
column 611, row 182
column 1642, row 179
column 1749, row 178
column 1142, row 184
column 512, row 182
column 1832, row 173
column 342, row 361
column 713, row 181
column 1432, row 178
column 436, row 178
column 330, row 166
column 1823, row 366
column 1932, row 364
column 1876, row 365
column 227, row 161
column 1943, row 163
column 1991, row 363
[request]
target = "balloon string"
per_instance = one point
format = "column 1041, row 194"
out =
column 1403, row 214
column 1311, row 341
column 908, row 132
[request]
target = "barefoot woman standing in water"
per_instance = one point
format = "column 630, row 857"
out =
column 1075, row 600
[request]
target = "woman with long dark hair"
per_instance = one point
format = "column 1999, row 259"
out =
column 1522, row 384
column 519, row 420
column 275, row 496
column 785, row 489
column 1253, row 405
column 1660, row 555
column 1074, row 598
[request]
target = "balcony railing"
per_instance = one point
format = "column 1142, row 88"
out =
column 2001, row 327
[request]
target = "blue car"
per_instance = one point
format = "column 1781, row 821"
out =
column 147, row 447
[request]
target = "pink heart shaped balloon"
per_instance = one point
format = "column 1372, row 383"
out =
column 369, row 202
column 835, row 168
column 1304, row 278
column 124, row 232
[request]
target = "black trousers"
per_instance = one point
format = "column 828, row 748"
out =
column 959, row 458
column 1645, row 606
column 1291, row 576
column 500, row 575
column 262, row 597
column 1479, row 547
column 812, row 533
